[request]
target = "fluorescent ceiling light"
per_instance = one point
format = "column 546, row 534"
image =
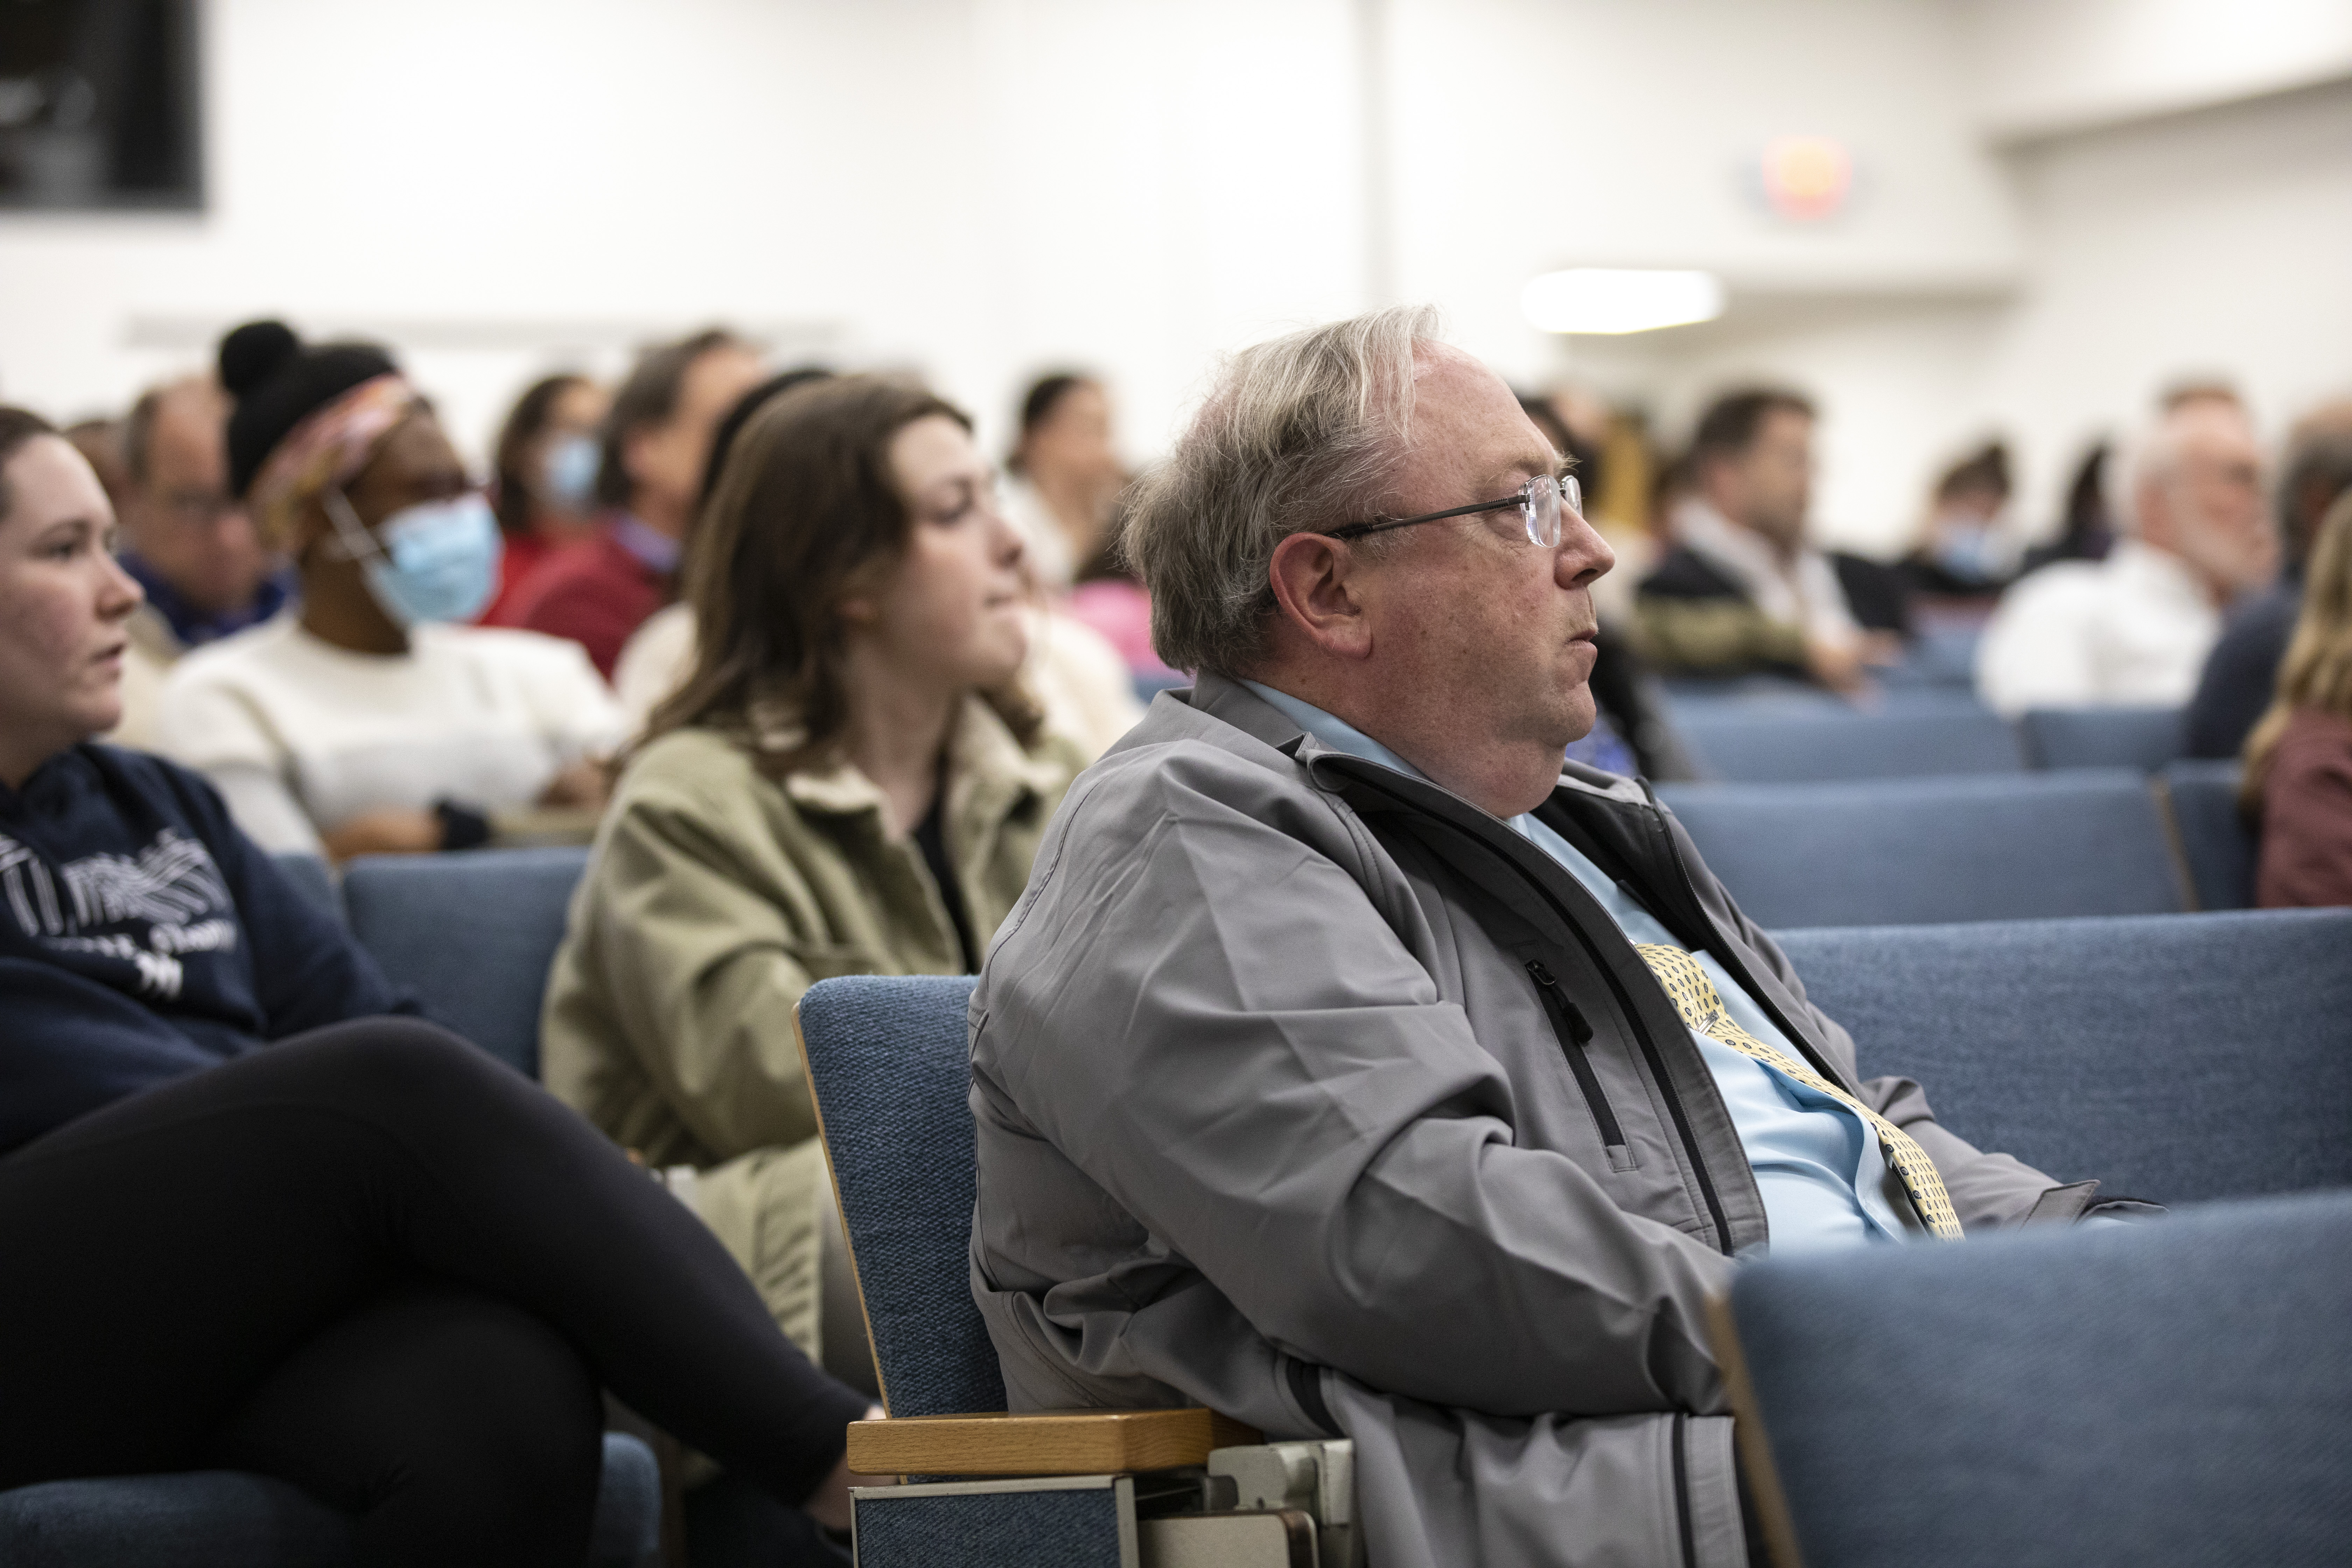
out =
column 1620, row 299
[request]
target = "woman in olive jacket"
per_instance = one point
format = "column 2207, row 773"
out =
column 850, row 782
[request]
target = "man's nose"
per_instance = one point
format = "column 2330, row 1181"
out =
column 1584, row 556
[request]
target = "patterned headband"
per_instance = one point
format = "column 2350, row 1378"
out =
column 328, row 447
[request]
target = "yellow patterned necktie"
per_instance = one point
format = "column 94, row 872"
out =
column 1701, row 1005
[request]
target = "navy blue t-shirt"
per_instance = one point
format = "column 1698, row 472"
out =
column 143, row 937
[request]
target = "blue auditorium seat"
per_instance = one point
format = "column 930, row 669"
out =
column 2218, row 843
column 2175, row 1057
column 222, row 1518
column 890, row 1067
column 472, row 933
column 2142, row 738
column 1905, row 851
column 2110, row 1397
column 315, row 877
column 1775, row 742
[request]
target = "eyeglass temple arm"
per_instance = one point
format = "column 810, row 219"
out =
column 1357, row 530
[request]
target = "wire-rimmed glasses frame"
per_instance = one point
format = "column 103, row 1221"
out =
column 1542, row 502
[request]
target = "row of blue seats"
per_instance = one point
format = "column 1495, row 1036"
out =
column 2024, row 846
column 2021, row 1028
column 1794, row 738
column 2181, row 1060
column 475, row 933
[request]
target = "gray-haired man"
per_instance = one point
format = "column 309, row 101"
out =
column 1350, row 1067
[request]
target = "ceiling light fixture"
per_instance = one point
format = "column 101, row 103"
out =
column 1615, row 299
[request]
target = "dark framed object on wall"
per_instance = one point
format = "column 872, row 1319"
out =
column 100, row 106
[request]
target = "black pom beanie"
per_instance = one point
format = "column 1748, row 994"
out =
column 278, row 382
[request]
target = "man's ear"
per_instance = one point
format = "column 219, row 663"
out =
column 1314, row 583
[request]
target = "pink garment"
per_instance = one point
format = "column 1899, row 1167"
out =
column 1121, row 612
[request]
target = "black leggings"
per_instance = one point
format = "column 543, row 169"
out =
column 376, row 1263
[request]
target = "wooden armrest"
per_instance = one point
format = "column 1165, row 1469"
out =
column 1049, row 1442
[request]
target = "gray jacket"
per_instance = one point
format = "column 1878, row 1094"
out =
column 1274, row 1117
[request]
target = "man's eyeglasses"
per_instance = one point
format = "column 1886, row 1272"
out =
column 1541, row 503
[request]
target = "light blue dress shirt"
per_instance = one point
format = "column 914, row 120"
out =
column 1823, row 1178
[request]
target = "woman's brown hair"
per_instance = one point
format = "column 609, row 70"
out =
column 2317, row 669
column 17, row 426
column 807, row 513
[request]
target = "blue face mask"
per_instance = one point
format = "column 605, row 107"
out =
column 437, row 560
column 568, row 477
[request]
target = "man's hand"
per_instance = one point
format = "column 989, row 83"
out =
column 1836, row 664
column 394, row 830
column 582, row 784
column 1882, row 650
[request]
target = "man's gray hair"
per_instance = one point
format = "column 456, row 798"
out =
column 2147, row 456
column 1304, row 432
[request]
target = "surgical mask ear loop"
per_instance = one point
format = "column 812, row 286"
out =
column 353, row 540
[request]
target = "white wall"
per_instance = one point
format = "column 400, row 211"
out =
column 2045, row 67
column 983, row 188
column 973, row 186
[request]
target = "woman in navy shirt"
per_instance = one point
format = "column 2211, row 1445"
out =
column 254, row 1219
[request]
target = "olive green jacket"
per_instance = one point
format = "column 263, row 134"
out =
column 715, row 896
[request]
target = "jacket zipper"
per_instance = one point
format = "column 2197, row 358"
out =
column 1666, row 1090
column 1574, row 1032
column 1675, row 1111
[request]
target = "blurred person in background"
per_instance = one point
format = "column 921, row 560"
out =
column 544, row 478
column 1968, row 549
column 1630, row 733
column 2241, row 672
column 2135, row 628
column 2298, row 776
column 256, row 1223
column 2085, row 530
column 193, row 548
column 375, row 721
column 1741, row 591
column 100, row 442
column 1063, row 476
column 656, row 439
column 659, row 655
column 851, row 781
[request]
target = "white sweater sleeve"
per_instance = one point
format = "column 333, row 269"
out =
column 2037, row 650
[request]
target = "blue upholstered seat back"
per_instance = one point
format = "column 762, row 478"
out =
column 2142, row 738
column 2218, row 843
column 473, row 934
column 1775, row 742
column 1899, row 852
column 2166, row 1393
column 313, row 877
column 2176, row 1058
column 891, row 1064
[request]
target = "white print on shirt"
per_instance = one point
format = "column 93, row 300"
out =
column 171, row 881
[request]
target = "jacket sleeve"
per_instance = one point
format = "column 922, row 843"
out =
column 701, row 970
column 1200, row 1006
column 2036, row 651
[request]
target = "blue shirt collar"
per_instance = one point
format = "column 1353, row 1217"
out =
column 195, row 628
column 1341, row 736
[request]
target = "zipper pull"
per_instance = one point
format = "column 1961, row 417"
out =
column 1576, row 1028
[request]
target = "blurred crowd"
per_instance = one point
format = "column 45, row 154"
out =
column 812, row 673
column 348, row 688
